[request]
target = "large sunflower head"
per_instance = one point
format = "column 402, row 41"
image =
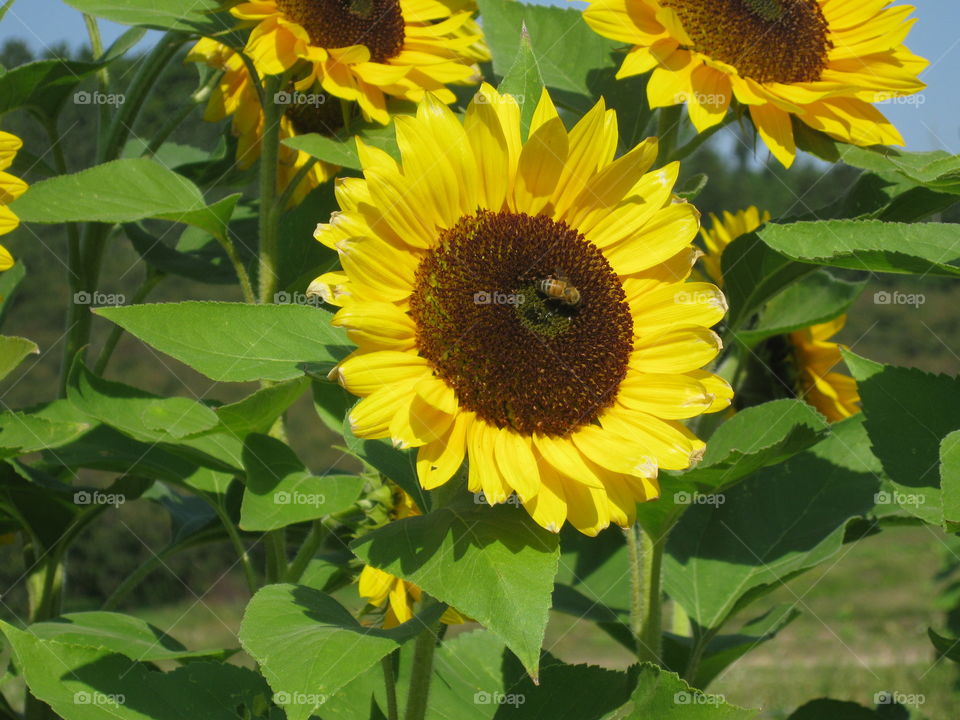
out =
column 364, row 50
column 10, row 189
column 523, row 304
column 822, row 62
column 236, row 97
column 801, row 363
column 397, row 596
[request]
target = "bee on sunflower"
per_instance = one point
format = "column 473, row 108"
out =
column 11, row 188
column 394, row 595
column 464, row 353
column 818, row 62
column 366, row 50
column 802, row 362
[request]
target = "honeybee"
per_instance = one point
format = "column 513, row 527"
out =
column 558, row 287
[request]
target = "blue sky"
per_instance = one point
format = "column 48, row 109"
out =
column 931, row 122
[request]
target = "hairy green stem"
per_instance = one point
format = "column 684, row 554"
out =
column 632, row 534
column 651, row 624
column 246, row 287
column 276, row 542
column 269, row 211
column 243, row 555
column 313, row 541
column 421, row 673
column 284, row 198
column 700, row 642
column 390, row 686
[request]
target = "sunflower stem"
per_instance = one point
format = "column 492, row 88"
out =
column 421, row 673
column 646, row 612
column 284, row 198
column 318, row 533
column 269, row 210
column 390, row 685
column 689, row 148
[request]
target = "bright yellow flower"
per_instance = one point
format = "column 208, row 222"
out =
column 810, row 362
column 381, row 587
column 365, row 50
column 236, row 96
column 455, row 264
column 822, row 62
column 10, row 189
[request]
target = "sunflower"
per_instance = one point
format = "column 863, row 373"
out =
column 364, row 50
column 236, row 96
column 523, row 304
column 10, row 189
column 380, row 587
column 821, row 61
column 803, row 360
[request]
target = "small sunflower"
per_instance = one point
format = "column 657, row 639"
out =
column 364, row 50
column 821, row 61
column 10, row 189
column 803, row 360
column 524, row 304
column 380, row 587
column 236, row 96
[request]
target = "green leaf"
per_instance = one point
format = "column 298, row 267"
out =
column 281, row 491
column 122, row 191
column 753, row 274
column 187, row 15
column 950, row 480
column 259, row 411
column 921, row 248
column 724, row 650
column 813, row 299
column 946, row 647
column 664, row 696
column 906, row 419
column 309, row 646
column 209, row 264
column 777, row 523
column 119, row 633
column 87, row 683
column 236, row 342
column 42, row 86
column 21, row 433
column 524, row 82
column 398, row 465
column 342, row 149
column 568, row 52
column 13, row 351
column 9, row 285
column 493, row 564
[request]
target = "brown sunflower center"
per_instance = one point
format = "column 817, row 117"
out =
column 376, row 24
column 525, row 320
column 767, row 40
